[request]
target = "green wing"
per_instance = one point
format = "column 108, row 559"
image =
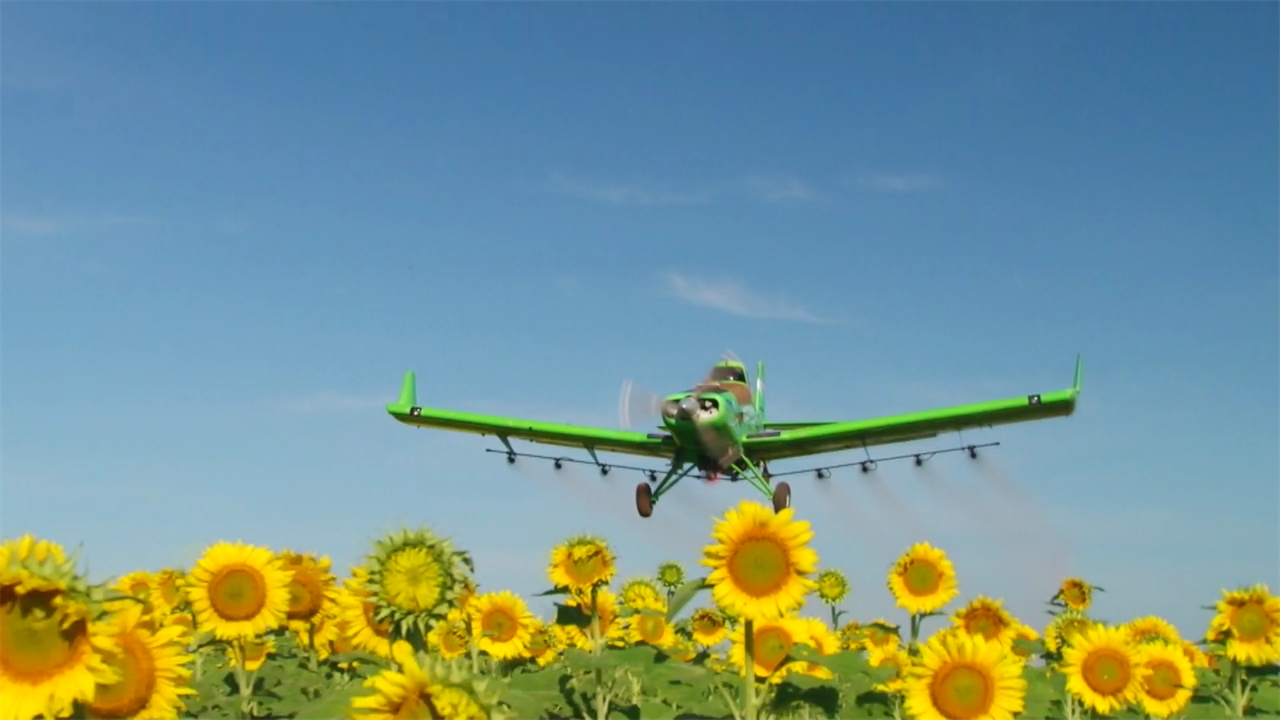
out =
column 620, row 441
column 835, row 436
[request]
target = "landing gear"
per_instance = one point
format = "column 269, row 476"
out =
column 781, row 497
column 644, row 500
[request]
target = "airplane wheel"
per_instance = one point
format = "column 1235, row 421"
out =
column 644, row 500
column 781, row 497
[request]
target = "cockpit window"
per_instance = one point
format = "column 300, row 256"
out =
column 727, row 373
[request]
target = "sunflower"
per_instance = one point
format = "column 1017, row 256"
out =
column 166, row 590
column 1194, row 654
column 612, row 630
column 1075, row 594
column 643, row 594
column 761, row 562
column 923, row 580
column 500, row 623
column 964, row 676
column 1103, row 669
column 135, row 584
column 256, row 651
column 420, row 688
column 313, row 590
column 895, row 657
column 451, row 636
column 988, row 618
column 773, row 641
column 1027, row 634
column 331, row 637
column 52, row 644
column 650, row 627
column 543, row 645
column 1168, row 688
column 820, row 636
column 1249, row 620
column 238, row 591
column 357, row 608
column 851, row 635
column 150, row 676
column 670, row 575
column 581, row 563
column 21, row 560
column 832, row 586
column 880, row 633
column 1152, row 629
column 416, row 577
column 708, row 627
column 1065, row 626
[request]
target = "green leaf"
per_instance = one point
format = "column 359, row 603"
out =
column 555, row 591
column 684, row 595
column 572, row 615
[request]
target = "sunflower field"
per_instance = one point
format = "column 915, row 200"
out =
column 248, row 632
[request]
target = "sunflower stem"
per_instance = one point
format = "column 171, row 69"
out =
column 602, row 696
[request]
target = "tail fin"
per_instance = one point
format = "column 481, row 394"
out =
column 757, row 397
column 408, row 391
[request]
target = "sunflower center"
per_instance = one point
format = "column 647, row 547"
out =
column 305, row 596
column 984, row 623
column 1106, row 671
column 707, row 624
column 759, row 567
column 586, row 565
column 1250, row 622
column 1074, row 595
column 1164, row 681
column 413, row 578
column 500, row 625
column 237, row 592
column 651, row 627
column 454, row 638
column 962, row 691
column 136, row 669
column 921, row 577
column 772, row 644
column 33, row 645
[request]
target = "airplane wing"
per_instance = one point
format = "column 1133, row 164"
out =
column 783, row 442
column 408, row 412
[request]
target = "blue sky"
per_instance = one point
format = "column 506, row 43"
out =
column 228, row 230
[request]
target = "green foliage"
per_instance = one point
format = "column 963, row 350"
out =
column 640, row 682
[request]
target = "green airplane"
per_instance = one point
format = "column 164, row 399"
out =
column 720, row 427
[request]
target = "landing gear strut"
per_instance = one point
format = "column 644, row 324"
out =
column 646, row 496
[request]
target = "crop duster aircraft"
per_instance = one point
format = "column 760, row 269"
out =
column 720, row 427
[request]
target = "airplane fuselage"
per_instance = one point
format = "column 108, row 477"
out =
column 710, row 424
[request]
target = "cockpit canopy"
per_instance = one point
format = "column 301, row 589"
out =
column 728, row 373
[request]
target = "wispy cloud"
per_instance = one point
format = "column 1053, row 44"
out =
column 780, row 189
column 758, row 187
column 890, row 182
column 51, row 225
column 735, row 299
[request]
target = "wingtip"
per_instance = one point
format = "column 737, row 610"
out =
column 1079, row 374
